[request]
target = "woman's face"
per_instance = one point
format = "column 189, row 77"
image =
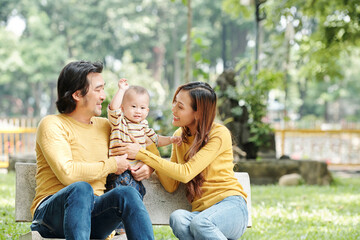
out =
column 183, row 114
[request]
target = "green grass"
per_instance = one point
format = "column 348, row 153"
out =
column 306, row 212
column 8, row 228
column 301, row 212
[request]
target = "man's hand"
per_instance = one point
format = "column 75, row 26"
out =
column 122, row 164
column 141, row 171
column 131, row 149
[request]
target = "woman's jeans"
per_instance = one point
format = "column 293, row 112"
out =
column 226, row 219
column 76, row 213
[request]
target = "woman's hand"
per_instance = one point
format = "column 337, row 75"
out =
column 141, row 171
column 148, row 141
column 131, row 149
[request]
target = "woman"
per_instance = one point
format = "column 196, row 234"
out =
column 204, row 161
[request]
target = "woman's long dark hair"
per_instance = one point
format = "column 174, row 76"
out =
column 203, row 100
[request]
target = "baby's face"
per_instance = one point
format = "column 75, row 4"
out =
column 135, row 107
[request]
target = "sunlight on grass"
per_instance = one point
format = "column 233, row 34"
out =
column 306, row 212
column 301, row 212
column 163, row 233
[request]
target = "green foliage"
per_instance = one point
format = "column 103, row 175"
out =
column 10, row 56
column 161, row 121
column 235, row 9
column 137, row 74
column 200, row 43
column 183, row 1
column 310, row 38
column 154, row 32
column 253, row 94
column 42, row 45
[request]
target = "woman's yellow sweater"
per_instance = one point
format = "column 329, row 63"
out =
column 215, row 159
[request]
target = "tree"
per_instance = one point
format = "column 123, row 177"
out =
column 322, row 32
column 188, row 42
column 154, row 33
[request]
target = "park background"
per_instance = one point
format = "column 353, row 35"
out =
column 293, row 66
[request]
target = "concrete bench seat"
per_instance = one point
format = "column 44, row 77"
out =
column 159, row 203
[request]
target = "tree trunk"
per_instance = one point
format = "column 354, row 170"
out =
column 238, row 42
column 53, row 94
column 257, row 21
column 326, row 112
column 37, row 90
column 223, row 43
column 302, row 91
column 176, row 62
column 159, row 56
column 286, row 77
column 188, row 43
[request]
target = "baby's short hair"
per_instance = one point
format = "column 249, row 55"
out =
column 137, row 89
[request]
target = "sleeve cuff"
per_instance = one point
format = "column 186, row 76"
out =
column 152, row 148
column 112, row 165
column 116, row 112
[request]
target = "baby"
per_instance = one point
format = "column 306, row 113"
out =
column 127, row 114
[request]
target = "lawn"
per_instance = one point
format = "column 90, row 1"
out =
column 301, row 212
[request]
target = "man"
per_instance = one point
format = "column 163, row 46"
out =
column 73, row 163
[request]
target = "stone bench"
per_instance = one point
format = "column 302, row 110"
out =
column 29, row 157
column 159, row 203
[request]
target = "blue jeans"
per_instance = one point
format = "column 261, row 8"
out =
column 125, row 179
column 226, row 219
column 76, row 213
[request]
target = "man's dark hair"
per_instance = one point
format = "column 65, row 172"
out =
column 73, row 77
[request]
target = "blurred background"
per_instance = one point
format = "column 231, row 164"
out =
column 286, row 72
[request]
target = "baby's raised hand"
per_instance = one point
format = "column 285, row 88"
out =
column 122, row 84
column 176, row 139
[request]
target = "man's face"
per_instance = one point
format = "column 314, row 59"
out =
column 92, row 101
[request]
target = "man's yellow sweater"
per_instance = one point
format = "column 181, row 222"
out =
column 68, row 151
column 215, row 159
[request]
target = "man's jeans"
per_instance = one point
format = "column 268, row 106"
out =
column 224, row 220
column 76, row 213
